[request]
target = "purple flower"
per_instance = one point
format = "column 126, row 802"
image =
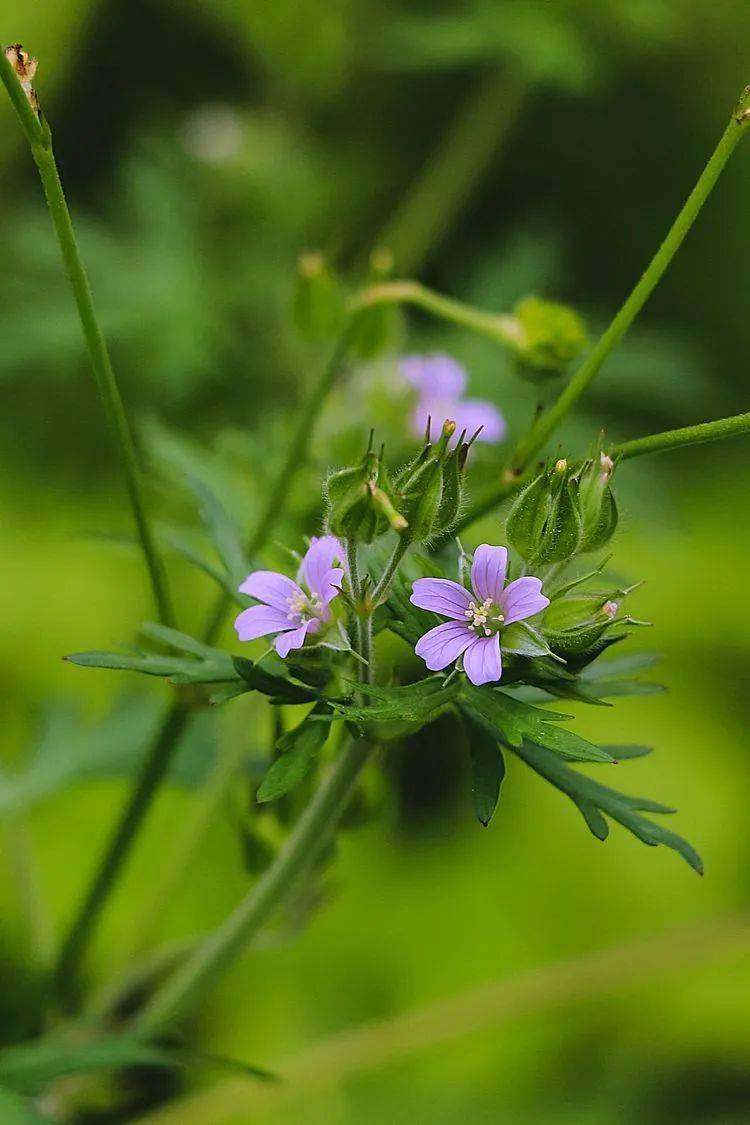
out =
column 440, row 383
column 293, row 609
column 478, row 616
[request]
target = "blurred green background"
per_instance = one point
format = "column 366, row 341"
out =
column 498, row 148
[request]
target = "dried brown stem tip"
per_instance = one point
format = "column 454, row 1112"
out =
column 24, row 66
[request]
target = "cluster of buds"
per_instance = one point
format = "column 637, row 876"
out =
column 579, row 626
column 565, row 511
column 421, row 503
column 546, row 337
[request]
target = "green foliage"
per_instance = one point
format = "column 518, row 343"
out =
column 596, row 802
column 511, row 721
column 487, row 769
column 390, row 712
column 297, row 750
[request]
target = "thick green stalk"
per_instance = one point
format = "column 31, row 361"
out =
column 687, row 435
column 160, row 755
column 547, row 423
column 310, row 835
column 40, row 141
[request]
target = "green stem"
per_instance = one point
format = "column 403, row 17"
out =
column 160, row 756
column 470, row 142
column 687, row 435
column 497, row 326
column 545, row 425
column 40, row 142
column 310, row 835
column 383, row 586
column 542, row 429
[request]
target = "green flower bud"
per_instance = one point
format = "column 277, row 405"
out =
column 578, row 627
column 598, row 506
column 318, row 303
column 360, row 501
column 546, row 337
column 430, row 488
column 545, row 523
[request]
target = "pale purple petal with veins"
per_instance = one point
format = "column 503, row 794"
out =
column 482, row 661
column 259, row 621
column 318, row 561
column 435, row 376
column 294, row 638
column 521, row 599
column 441, row 596
column 488, row 571
column 272, row 588
column 444, row 644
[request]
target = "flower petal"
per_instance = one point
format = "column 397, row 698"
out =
column 294, row 638
column 482, row 661
column 521, row 599
column 436, row 376
column 441, row 596
column 472, row 413
column 488, row 571
column 330, row 585
column 272, row 588
column 323, row 551
column 443, row 644
column 259, row 621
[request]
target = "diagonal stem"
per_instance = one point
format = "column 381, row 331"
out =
column 540, row 432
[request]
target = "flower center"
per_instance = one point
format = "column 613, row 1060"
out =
column 303, row 606
column 485, row 618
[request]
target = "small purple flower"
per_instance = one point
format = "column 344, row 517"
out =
column 440, row 384
column 293, row 609
column 478, row 616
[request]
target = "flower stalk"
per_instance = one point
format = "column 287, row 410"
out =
column 735, row 426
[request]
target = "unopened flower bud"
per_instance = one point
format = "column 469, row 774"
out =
column 318, row 303
column 597, row 502
column 430, row 488
column 544, row 524
column 546, row 337
column 360, row 502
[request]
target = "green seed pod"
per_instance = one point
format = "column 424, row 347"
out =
column 318, row 303
column 451, row 500
column 548, row 336
column 360, row 501
column 598, row 506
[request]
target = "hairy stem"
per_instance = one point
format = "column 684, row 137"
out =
column 384, row 583
column 40, row 141
column 162, row 751
column 295, row 860
column 687, row 435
